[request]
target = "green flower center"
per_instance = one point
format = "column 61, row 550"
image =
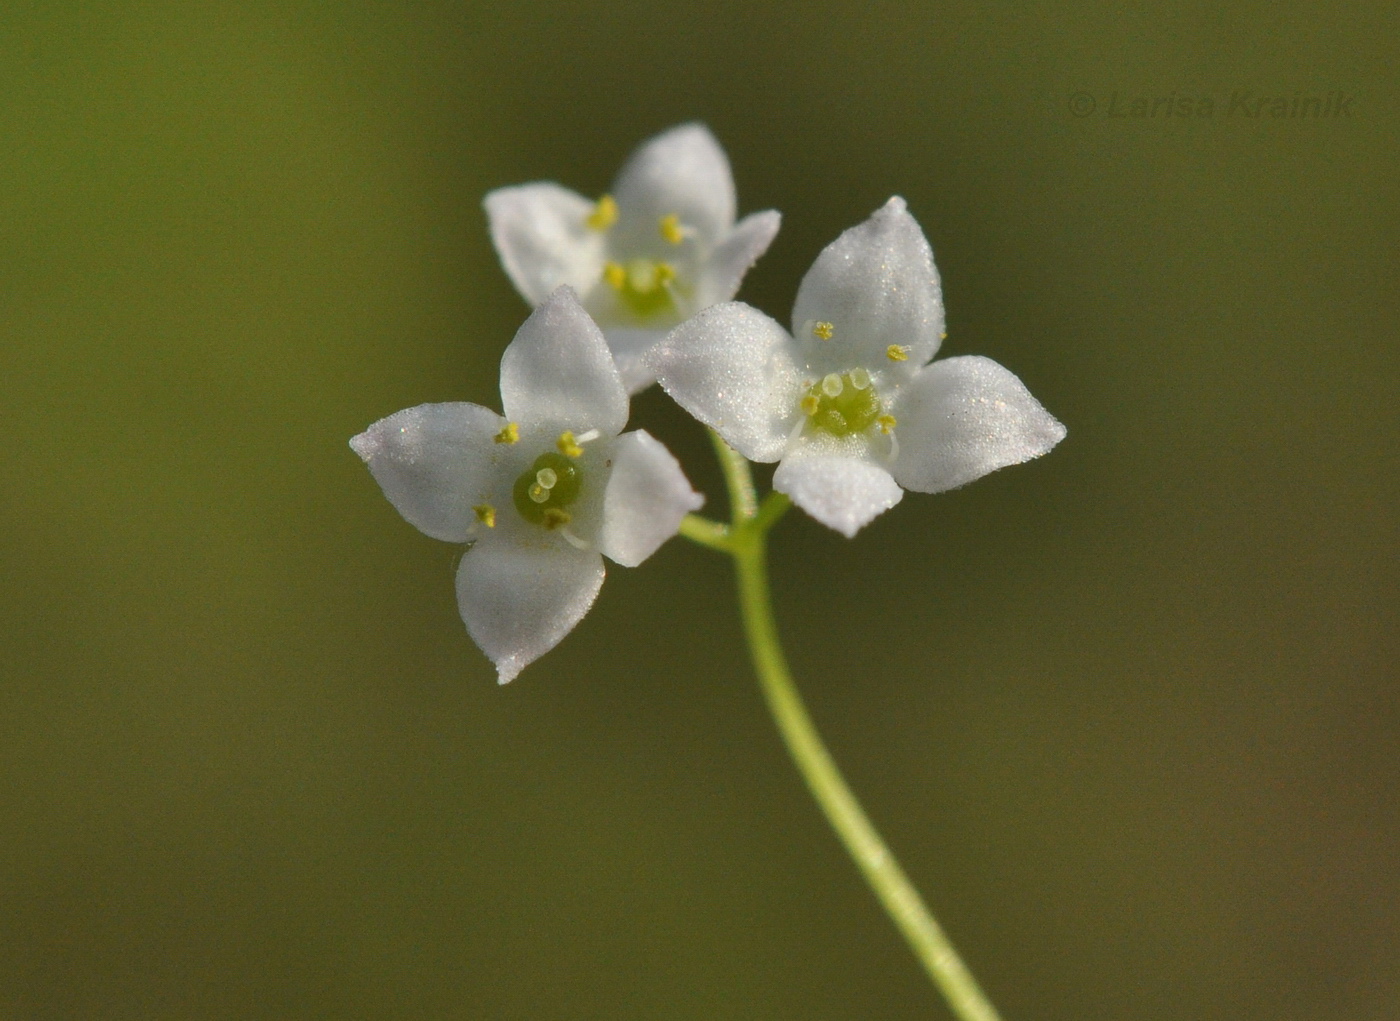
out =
column 546, row 488
column 642, row 285
column 842, row 404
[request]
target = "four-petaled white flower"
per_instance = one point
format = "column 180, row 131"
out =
column 848, row 403
column 542, row 493
column 645, row 257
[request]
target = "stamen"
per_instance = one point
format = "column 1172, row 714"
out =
column 604, row 214
column 860, row 379
column 587, row 437
column 510, row 434
column 831, row 385
column 797, row 428
column 897, row 353
column 943, row 335
column 539, row 494
column 568, row 446
column 615, row 275
column 823, row 330
column 570, row 537
column 555, row 517
column 547, row 478
column 887, row 424
column 646, row 276
column 486, row 514
column 809, row 405
column 894, row 447
column 671, row 230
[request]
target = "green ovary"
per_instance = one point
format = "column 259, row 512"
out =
column 851, row 409
column 546, row 488
column 641, row 284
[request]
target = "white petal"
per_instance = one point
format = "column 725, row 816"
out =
column 629, row 346
column 841, row 492
column 724, row 270
column 647, row 496
column 732, row 368
column 877, row 286
column 963, row 417
column 681, row 172
column 519, row 601
column 540, row 233
column 435, row 463
column 558, row 372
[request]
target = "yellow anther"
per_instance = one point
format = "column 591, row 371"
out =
column 823, row 331
column 510, row 434
column 486, row 514
column 547, row 478
column 943, row 335
column 555, row 517
column 647, row 277
column 670, row 227
column 615, row 275
column 895, row 353
column 539, row 493
column 568, row 446
column 604, row 214
column 831, row 385
column 860, row 379
column 809, row 405
column 886, row 423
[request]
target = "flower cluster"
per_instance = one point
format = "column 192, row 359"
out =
column 850, row 403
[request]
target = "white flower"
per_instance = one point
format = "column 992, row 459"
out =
column 657, row 249
column 542, row 493
column 848, row 402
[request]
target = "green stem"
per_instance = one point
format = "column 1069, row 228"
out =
column 706, row 532
column 743, row 502
column 747, row 541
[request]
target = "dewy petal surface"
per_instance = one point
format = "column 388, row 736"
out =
column 647, row 496
column 518, row 601
column 963, row 417
column 725, row 267
column 541, row 234
column 732, row 368
column 684, row 172
column 558, row 373
column 877, row 286
column 434, row 463
column 841, row 492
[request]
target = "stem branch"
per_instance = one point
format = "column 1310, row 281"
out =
column 746, row 539
column 743, row 502
column 706, row 532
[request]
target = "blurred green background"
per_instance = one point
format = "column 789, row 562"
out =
column 1128, row 713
